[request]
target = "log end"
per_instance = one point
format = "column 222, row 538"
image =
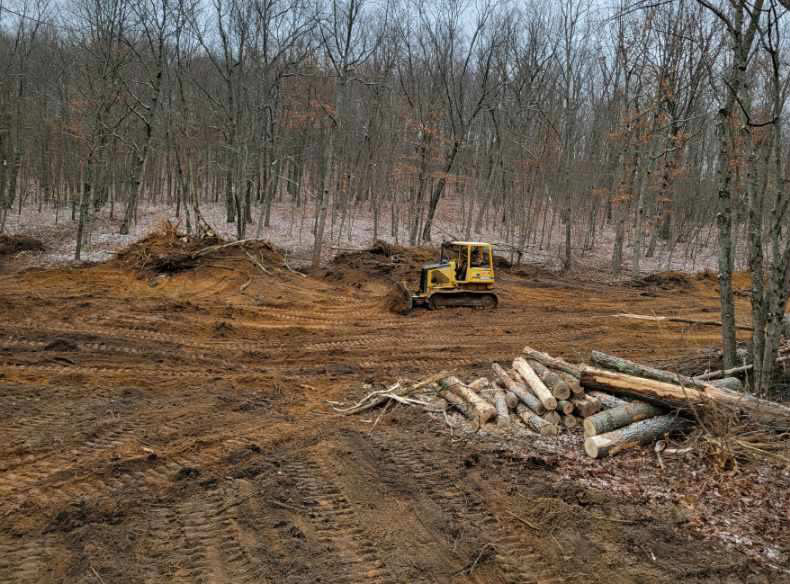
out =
column 550, row 430
column 595, row 447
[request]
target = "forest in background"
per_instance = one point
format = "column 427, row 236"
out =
column 661, row 123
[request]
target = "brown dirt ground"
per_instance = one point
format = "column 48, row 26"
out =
column 175, row 428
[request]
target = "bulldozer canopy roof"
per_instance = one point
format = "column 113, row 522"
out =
column 467, row 243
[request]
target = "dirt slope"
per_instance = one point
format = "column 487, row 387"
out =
column 174, row 428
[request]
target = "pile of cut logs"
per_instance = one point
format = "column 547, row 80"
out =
column 618, row 403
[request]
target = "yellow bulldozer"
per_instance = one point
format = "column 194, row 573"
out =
column 463, row 276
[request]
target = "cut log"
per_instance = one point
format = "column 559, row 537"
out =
column 553, row 381
column 633, row 435
column 675, row 396
column 731, row 383
column 586, row 406
column 552, row 362
column 478, row 384
column 576, row 389
column 511, row 399
column 487, row 394
column 518, row 389
column 679, row 320
column 726, row 372
column 483, row 410
column 565, row 407
column 607, row 400
column 535, row 384
column 570, row 422
column 457, row 403
column 552, row 418
column 604, row 361
column 537, row 423
column 615, row 418
column 502, row 412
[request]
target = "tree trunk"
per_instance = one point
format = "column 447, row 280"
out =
column 586, row 406
column 621, row 365
column 483, row 410
column 438, row 191
column 518, row 389
column 609, row 420
column 607, row 400
column 552, row 418
column 632, row 436
column 552, row 362
column 554, row 382
column 502, row 411
column 565, row 407
column 535, row 384
column 536, row 423
column 676, row 396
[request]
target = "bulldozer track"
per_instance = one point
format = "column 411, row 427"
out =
column 518, row 561
column 209, row 547
column 337, row 526
column 24, row 562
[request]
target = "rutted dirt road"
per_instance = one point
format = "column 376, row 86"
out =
column 175, row 429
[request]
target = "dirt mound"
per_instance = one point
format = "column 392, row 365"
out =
column 166, row 251
column 664, row 281
column 382, row 261
column 13, row 244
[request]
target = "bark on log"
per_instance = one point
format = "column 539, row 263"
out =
column 552, row 418
column 565, row 407
column 675, row 396
column 457, row 403
column 488, row 395
column 607, row 400
column 576, row 389
column 484, row 411
column 552, row 362
column 604, row 361
column 570, row 422
column 536, row 423
column 553, row 381
column 586, row 406
column 502, row 412
column 633, row 435
column 518, row 389
column 512, row 399
column 478, row 384
column 615, row 418
column 726, row 372
column 731, row 383
column 740, row 327
column 535, row 384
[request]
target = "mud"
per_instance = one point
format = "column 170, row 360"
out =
column 189, row 439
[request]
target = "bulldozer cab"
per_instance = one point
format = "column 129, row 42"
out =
column 473, row 261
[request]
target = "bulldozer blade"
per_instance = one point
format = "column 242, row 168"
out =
column 404, row 303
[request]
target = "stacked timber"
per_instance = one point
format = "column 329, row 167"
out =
column 618, row 404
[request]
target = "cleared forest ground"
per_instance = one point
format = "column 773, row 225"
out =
column 174, row 427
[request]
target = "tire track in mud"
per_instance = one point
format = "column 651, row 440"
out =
column 39, row 476
column 337, row 526
column 23, row 562
column 518, row 559
column 204, row 541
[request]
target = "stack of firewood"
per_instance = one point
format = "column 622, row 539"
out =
column 618, row 403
